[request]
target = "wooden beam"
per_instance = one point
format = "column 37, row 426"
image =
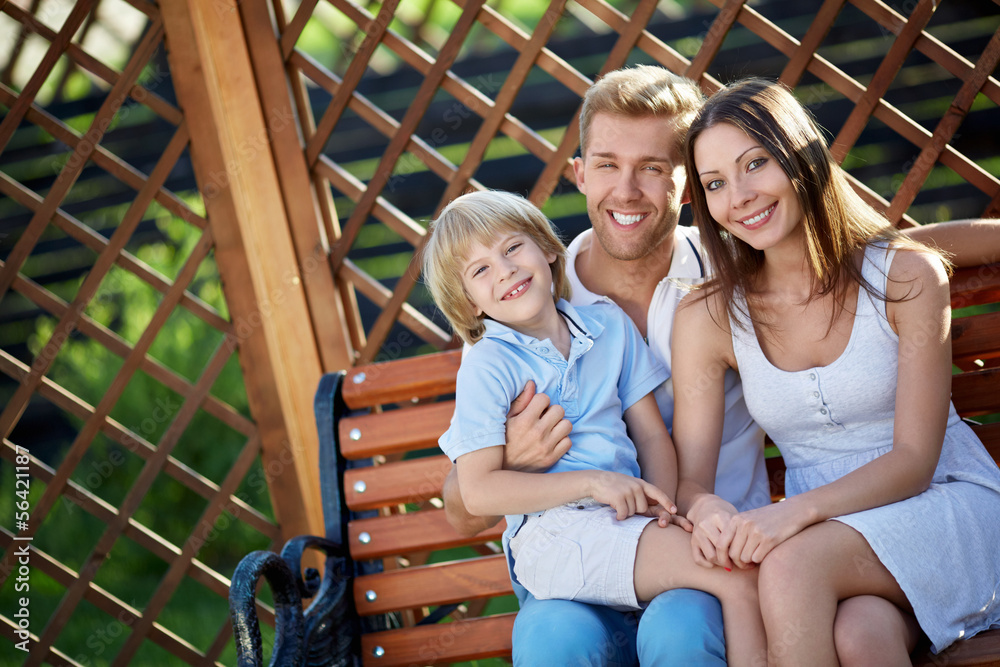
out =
column 300, row 201
column 235, row 169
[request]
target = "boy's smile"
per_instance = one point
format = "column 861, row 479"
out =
column 518, row 290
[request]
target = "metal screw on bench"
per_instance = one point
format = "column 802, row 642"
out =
column 371, row 596
column 359, row 378
column 360, row 486
column 355, row 434
column 364, row 538
column 378, row 651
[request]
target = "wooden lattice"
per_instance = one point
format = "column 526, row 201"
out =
column 627, row 33
column 112, row 626
column 301, row 147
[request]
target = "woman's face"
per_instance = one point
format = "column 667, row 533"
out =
column 747, row 191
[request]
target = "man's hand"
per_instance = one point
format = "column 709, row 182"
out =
column 537, row 434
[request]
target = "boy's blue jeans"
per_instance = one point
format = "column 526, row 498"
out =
column 679, row 627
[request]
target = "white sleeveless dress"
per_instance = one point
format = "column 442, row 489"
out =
column 942, row 546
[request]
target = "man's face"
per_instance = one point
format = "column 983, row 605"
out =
column 633, row 178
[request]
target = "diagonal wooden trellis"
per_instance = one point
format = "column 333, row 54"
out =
column 634, row 42
column 313, row 164
column 67, row 482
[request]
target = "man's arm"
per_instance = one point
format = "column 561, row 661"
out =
column 537, row 437
column 970, row 242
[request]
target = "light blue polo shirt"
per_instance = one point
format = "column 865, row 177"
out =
column 609, row 369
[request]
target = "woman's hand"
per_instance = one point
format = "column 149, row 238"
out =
column 711, row 515
column 751, row 535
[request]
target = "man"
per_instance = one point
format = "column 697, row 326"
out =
column 632, row 127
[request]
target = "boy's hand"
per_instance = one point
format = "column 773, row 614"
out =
column 628, row 495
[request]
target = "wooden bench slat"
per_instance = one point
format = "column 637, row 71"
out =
column 983, row 649
column 401, row 380
column 410, row 481
column 408, row 533
column 975, row 393
column 990, row 435
column 975, row 285
column 488, row 637
column 432, row 585
column 395, row 431
column 975, row 337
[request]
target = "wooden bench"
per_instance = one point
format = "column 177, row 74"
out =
column 401, row 587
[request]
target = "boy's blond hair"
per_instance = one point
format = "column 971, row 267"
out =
column 479, row 217
column 639, row 92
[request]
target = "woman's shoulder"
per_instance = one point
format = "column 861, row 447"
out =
column 914, row 267
column 704, row 302
column 702, row 332
column 703, row 315
column 914, row 262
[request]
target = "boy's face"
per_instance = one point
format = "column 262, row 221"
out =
column 633, row 177
column 510, row 281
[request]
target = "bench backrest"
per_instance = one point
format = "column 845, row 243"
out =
column 386, row 504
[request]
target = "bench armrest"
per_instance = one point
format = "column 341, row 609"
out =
column 316, row 634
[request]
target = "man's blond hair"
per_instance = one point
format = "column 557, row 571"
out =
column 639, row 92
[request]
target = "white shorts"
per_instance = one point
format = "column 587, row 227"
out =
column 579, row 551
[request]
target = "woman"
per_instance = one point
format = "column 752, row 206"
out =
column 839, row 328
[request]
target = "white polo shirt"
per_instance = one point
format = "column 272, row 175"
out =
column 742, row 476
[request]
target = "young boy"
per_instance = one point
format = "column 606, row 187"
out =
column 582, row 530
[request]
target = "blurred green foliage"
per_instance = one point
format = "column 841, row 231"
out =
column 125, row 304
